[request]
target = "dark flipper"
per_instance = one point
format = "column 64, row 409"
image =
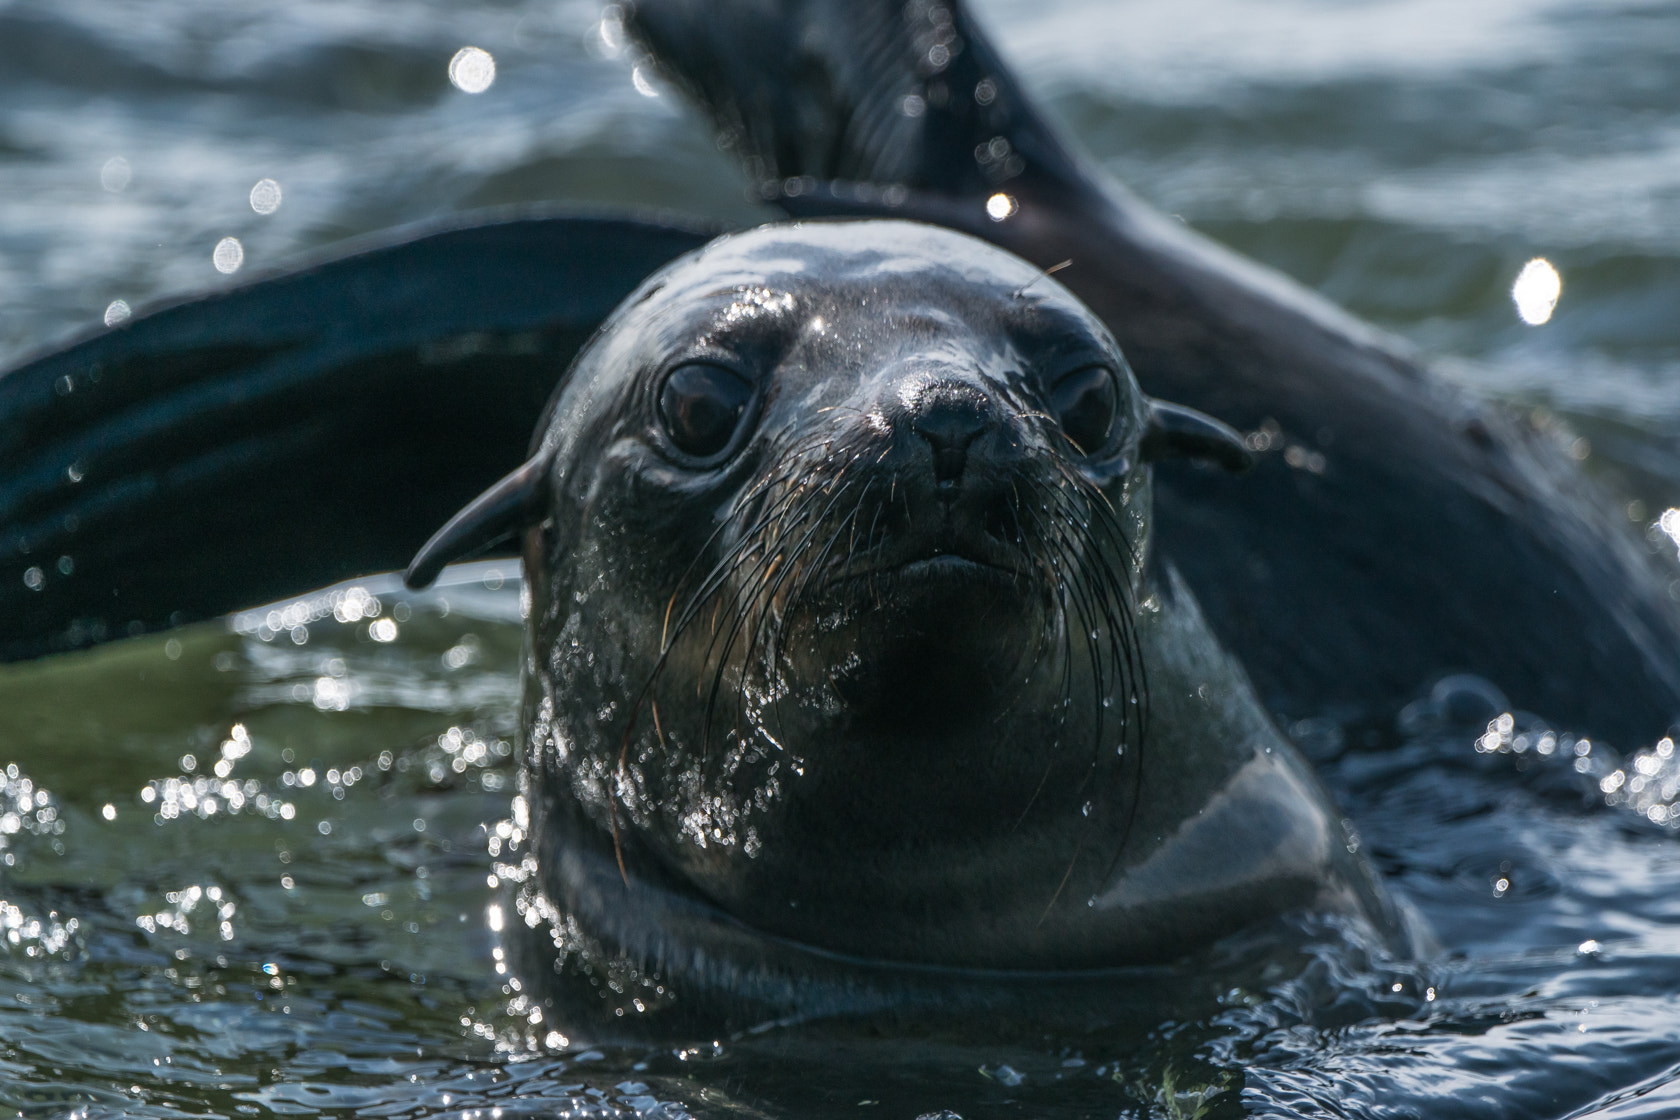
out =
column 1391, row 531
column 856, row 91
column 294, row 431
column 1176, row 432
column 494, row 516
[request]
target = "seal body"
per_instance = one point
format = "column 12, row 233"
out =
column 847, row 643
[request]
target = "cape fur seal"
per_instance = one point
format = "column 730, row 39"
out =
column 1437, row 536
column 847, row 639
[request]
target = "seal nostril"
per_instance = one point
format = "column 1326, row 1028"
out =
column 950, row 417
column 948, row 463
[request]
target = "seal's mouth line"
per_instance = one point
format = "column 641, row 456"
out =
column 940, row 565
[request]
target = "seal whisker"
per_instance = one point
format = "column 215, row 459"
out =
column 1085, row 601
column 752, row 495
column 806, row 570
column 1051, row 271
column 1102, row 606
column 752, row 603
column 1133, row 732
column 1060, row 887
column 1038, row 789
column 802, row 546
column 767, row 620
column 714, row 580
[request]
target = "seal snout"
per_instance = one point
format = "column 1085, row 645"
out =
column 947, row 464
column 950, row 415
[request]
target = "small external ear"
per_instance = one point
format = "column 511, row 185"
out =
column 1176, row 432
column 499, row 512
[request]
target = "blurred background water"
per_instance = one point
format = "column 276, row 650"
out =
column 248, row 868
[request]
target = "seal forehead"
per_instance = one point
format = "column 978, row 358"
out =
column 867, row 281
column 845, row 256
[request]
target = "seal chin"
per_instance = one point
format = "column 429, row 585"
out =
column 938, row 640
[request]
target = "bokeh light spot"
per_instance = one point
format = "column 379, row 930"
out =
column 472, row 70
column 116, row 174
column 1669, row 523
column 229, row 255
column 1536, row 291
column 265, row 196
column 116, row 312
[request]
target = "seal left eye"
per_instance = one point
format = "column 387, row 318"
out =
column 701, row 405
column 1084, row 403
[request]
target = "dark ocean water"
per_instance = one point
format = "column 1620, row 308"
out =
column 248, row 868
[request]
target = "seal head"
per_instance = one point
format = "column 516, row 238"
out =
column 845, row 628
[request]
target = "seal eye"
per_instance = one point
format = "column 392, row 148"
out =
column 1084, row 403
column 701, row 406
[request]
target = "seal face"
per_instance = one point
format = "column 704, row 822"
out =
column 844, row 628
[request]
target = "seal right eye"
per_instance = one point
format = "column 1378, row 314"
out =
column 1084, row 403
column 701, row 405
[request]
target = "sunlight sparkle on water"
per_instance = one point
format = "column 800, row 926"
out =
column 472, row 70
column 228, row 256
column 1536, row 291
column 265, row 196
column 115, row 175
column 1669, row 523
column 999, row 207
column 611, row 30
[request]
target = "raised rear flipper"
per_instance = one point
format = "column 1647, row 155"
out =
column 821, row 92
column 294, row 431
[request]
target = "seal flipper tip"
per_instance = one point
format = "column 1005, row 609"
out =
column 1176, row 432
column 865, row 91
column 497, row 513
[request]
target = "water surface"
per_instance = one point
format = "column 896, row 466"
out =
column 247, row 867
